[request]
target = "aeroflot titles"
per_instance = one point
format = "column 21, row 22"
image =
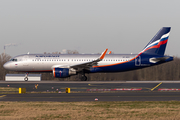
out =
column 46, row 56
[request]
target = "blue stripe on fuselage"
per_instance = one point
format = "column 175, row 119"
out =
column 130, row 65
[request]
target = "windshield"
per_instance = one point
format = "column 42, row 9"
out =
column 13, row 60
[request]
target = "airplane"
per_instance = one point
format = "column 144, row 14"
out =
column 66, row 65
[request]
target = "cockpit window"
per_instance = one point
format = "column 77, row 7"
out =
column 13, row 60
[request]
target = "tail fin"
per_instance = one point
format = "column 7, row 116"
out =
column 158, row 43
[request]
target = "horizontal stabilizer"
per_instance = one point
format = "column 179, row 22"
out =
column 155, row 60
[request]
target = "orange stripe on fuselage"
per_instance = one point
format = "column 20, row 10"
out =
column 117, row 63
column 54, row 72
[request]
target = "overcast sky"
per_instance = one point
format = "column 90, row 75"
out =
column 122, row 26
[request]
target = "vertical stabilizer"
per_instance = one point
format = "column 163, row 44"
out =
column 158, row 43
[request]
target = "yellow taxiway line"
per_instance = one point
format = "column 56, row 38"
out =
column 156, row 86
column 2, row 96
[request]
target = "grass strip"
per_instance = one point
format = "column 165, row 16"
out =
column 158, row 110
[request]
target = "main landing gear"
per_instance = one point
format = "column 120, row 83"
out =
column 26, row 77
column 82, row 76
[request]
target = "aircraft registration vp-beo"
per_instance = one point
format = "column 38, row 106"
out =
column 66, row 65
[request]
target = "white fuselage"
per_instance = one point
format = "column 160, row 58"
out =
column 46, row 62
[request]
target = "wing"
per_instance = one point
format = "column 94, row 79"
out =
column 89, row 64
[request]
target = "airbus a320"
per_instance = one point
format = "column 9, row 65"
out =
column 66, row 65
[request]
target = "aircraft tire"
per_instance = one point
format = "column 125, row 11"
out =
column 83, row 78
column 26, row 78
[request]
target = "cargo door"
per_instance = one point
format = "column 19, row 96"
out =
column 138, row 61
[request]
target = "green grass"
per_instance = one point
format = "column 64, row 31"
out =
column 90, row 110
column 6, row 89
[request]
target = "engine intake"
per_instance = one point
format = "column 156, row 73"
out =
column 63, row 72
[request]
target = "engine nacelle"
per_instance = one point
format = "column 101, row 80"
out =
column 63, row 72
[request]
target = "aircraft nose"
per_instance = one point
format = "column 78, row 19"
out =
column 6, row 66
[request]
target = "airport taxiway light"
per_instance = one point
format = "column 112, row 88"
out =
column 96, row 99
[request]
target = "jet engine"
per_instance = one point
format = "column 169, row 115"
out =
column 63, row 72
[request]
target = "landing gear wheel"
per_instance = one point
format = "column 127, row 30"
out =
column 26, row 78
column 83, row 78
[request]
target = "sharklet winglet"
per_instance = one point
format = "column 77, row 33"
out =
column 103, row 54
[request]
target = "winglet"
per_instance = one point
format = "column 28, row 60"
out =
column 103, row 54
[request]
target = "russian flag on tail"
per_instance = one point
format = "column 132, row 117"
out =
column 158, row 43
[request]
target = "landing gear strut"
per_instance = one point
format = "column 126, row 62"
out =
column 26, row 77
column 82, row 76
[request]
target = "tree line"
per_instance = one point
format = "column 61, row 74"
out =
column 166, row 71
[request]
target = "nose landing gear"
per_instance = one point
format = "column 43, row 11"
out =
column 26, row 77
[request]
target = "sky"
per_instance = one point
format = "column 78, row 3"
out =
column 122, row 26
